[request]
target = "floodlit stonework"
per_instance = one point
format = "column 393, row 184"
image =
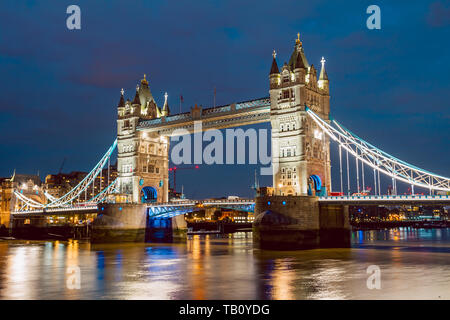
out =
column 299, row 148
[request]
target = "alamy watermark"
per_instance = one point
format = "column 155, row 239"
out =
column 374, row 20
column 374, row 280
column 235, row 147
column 73, row 281
column 73, row 22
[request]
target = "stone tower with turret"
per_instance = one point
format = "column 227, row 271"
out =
column 300, row 150
column 142, row 160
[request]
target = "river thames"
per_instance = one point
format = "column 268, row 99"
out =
column 414, row 264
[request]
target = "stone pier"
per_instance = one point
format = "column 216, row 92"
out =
column 120, row 222
column 299, row 222
column 166, row 229
column 130, row 223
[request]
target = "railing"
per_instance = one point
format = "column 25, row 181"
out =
column 187, row 116
column 387, row 197
column 52, row 210
column 197, row 202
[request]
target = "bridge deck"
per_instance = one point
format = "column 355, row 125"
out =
column 387, row 199
column 232, row 115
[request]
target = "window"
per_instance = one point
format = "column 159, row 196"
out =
column 282, row 127
column 144, row 168
column 289, row 152
column 126, row 124
column 286, row 94
column 285, row 79
column 127, row 168
column 150, row 168
column 157, row 170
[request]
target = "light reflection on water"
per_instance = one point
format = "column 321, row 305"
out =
column 414, row 264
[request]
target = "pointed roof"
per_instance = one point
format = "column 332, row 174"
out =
column 323, row 72
column 166, row 109
column 274, row 68
column 298, row 58
column 122, row 100
column 136, row 97
column 13, row 176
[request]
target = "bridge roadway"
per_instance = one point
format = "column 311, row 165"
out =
column 171, row 209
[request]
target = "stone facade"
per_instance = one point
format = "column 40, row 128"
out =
column 143, row 158
column 299, row 148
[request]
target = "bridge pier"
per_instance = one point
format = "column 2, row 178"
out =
column 166, row 229
column 127, row 222
column 299, row 222
column 120, row 222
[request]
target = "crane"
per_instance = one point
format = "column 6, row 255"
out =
column 174, row 170
column 62, row 165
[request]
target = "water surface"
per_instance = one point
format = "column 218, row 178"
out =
column 414, row 264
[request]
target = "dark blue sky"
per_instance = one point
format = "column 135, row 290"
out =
column 59, row 88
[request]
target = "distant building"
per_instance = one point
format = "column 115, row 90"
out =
column 28, row 185
column 59, row 184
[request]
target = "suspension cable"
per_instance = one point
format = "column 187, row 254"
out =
column 380, row 160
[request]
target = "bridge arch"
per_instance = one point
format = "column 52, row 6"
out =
column 149, row 194
column 317, row 182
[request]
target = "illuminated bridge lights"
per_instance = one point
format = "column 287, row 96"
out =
column 380, row 160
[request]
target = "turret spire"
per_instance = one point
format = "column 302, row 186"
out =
column 136, row 97
column 297, row 41
column 274, row 69
column 323, row 72
column 122, row 100
column 165, row 111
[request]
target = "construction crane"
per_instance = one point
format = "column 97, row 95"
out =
column 62, row 165
column 175, row 169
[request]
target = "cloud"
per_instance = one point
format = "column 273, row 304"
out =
column 439, row 14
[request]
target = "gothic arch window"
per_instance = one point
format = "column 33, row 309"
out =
column 282, row 127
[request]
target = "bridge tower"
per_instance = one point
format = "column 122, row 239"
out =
column 300, row 151
column 143, row 160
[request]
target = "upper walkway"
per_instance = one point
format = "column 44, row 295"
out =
column 232, row 115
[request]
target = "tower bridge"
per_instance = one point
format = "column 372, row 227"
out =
column 298, row 109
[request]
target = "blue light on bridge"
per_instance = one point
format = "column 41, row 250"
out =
column 120, row 208
column 268, row 202
column 284, row 203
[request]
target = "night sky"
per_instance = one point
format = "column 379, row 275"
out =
column 59, row 88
